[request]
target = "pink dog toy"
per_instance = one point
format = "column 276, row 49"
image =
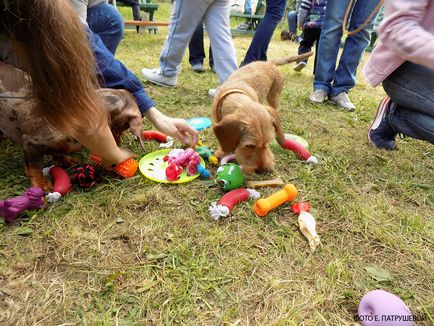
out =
column 229, row 200
column 381, row 308
column 32, row 198
column 300, row 150
column 179, row 158
column 227, row 158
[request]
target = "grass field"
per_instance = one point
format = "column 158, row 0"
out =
column 134, row 252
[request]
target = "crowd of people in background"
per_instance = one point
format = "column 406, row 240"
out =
column 403, row 60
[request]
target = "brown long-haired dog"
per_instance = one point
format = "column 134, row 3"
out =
column 19, row 123
column 48, row 41
column 242, row 123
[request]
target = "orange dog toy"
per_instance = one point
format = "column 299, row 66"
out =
column 264, row 205
column 126, row 169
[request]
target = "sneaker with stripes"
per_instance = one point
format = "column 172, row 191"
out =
column 381, row 133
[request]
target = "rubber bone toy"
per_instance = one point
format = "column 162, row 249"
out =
column 229, row 200
column 307, row 224
column 32, row 198
column 264, row 205
column 62, row 184
column 165, row 141
column 300, row 150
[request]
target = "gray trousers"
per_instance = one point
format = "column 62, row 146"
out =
column 411, row 88
column 186, row 16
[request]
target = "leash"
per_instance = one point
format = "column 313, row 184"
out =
column 358, row 29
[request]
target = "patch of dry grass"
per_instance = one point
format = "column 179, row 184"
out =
column 135, row 252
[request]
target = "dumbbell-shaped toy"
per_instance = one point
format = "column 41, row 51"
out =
column 264, row 205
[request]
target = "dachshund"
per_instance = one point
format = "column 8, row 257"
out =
column 38, row 138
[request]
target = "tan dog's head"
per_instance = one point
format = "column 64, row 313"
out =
column 248, row 133
column 124, row 113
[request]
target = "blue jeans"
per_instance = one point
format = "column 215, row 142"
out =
column 248, row 7
column 196, row 48
column 274, row 11
column 411, row 89
column 105, row 20
column 334, row 81
column 135, row 7
column 292, row 22
column 186, row 16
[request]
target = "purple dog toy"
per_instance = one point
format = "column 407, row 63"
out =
column 32, row 198
column 381, row 308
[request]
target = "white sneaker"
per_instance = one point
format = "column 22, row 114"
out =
column 343, row 101
column 300, row 66
column 198, row 67
column 154, row 76
column 318, row 96
column 212, row 92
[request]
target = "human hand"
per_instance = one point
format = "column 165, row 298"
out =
column 174, row 127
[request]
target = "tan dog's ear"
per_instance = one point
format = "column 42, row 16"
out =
column 228, row 132
column 280, row 134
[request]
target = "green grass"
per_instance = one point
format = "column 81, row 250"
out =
column 134, row 252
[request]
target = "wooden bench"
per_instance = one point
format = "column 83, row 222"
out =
column 253, row 19
column 148, row 9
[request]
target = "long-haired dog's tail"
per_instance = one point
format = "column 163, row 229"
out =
column 284, row 61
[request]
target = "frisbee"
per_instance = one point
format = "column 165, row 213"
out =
column 297, row 138
column 153, row 167
column 199, row 123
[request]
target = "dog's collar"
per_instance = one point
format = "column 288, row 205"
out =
column 223, row 96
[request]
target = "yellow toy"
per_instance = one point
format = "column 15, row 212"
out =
column 264, row 205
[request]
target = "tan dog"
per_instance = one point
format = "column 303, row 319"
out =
column 242, row 123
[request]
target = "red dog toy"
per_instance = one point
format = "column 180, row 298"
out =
column 62, row 184
column 229, row 200
column 300, row 150
column 166, row 141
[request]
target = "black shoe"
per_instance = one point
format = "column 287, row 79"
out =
column 381, row 133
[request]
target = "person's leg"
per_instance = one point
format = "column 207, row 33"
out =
column 410, row 87
column 248, row 7
column 309, row 37
column 217, row 22
column 329, row 43
column 308, row 40
column 257, row 51
column 355, row 45
column 185, row 18
column 292, row 22
column 196, row 48
column 105, row 20
column 211, row 59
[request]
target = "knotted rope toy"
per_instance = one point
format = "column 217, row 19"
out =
column 32, row 198
column 84, row 176
column 126, row 169
column 177, row 159
column 225, row 205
